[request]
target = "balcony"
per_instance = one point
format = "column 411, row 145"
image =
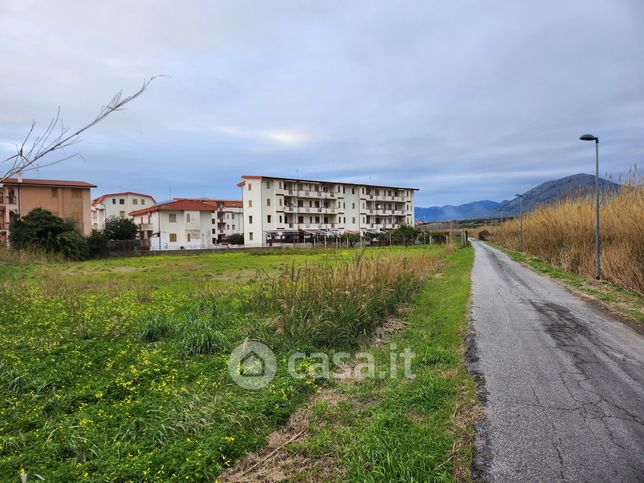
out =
column 8, row 200
column 309, row 209
column 146, row 227
column 311, row 194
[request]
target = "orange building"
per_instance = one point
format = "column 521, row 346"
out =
column 66, row 199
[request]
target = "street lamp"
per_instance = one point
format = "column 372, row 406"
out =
column 521, row 224
column 590, row 137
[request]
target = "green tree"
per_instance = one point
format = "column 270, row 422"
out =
column 405, row 233
column 120, row 229
column 37, row 229
column 41, row 229
column 236, row 239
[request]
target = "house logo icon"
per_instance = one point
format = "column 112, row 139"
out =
column 252, row 365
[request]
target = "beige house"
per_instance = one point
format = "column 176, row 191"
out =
column 117, row 205
column 286, row 209
column 66, row 199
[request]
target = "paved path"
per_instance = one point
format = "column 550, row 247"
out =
column 563, row 380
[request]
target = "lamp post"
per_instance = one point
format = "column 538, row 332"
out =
column 590, row 137
column 521, row 224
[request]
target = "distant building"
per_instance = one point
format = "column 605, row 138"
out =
column 66, row 199
column 175, row 225
column 227, row 219
column 117, row 205
column 285, row 209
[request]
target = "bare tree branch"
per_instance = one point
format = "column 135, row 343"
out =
column 32, row 150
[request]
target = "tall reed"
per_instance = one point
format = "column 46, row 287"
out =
column 334, row 303
column 563, row 234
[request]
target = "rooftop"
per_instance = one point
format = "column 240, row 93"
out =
column 102, row 197
column 297, row 180
column 175, row 205
column 59, row 183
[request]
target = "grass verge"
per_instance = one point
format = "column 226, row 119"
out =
column 627, row 303
column 386, row 429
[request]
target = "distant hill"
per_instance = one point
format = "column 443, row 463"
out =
column 476, row 209
column 570, row 186
column 574, row 185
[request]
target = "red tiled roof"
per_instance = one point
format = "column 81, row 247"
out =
column 245, row 177
column 178, row 205
column 48, row 182
column 102, row 197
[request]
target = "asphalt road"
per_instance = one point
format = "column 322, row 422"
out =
column 562, row 380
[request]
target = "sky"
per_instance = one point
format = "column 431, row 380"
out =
column 465, row 100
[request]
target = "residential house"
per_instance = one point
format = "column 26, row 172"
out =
column 70, row 200
column 227, row 219
column 175, row 225
column 286, row 209
column 117, row 205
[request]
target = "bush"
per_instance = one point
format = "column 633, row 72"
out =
column 236, row 239
column 120, row 229
column 38, row 229
column 72, row 245
column 484, row 235
column 97, row 243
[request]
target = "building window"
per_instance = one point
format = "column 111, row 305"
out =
column 214, row 231
column 268, row 185
column 187, row 236
column 113, row 201
column 142, row 201
column 122, row 214
column 250, row 187
column 353, row 220
column 135, row 201
column 172, row 218
column 268, row 202
column 188, row 218
column 353, row 191
column 233, row 227
column 250, row 235
column 353, row 205
column 250, row 203
column 54, row 192
column 300, row 219
column 173, row 237
column 121, row 201
column 250, row 219
column 280, row 218
column 268, row 218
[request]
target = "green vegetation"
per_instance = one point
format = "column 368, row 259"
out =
column 117, row 369
column 405, row 429
column 120, row 229
column 41, row 230
column 626, row 302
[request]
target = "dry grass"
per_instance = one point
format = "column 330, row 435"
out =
column 334, row 304
column 563, row 234
column 27, row 255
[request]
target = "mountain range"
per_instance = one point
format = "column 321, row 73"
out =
column 570, row 186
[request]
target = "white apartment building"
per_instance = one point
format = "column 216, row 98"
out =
column 227, row 219
column 284, row 209
column 176, row 225
column 118, row 205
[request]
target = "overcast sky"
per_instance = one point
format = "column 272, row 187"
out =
column 465, row 100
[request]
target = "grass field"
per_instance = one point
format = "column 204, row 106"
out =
column 116, row 370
